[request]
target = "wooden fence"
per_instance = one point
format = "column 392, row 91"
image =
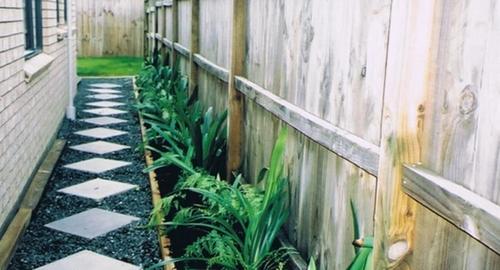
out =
column 110, row 27
column 393, row 105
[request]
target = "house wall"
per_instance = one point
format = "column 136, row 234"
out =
column 30, row 112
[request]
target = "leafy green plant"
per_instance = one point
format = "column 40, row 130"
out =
column 312, row 264
column 363, row 247
column 241, row 222
column 179, row 130
column 195, row 142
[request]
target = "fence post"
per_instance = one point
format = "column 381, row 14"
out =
column 155, row 28
column 175, row 31
column 235, row 98
column 162, row 14
column 195, row 43
column 146, row 29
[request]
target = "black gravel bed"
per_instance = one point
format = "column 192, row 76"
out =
column 132, row 243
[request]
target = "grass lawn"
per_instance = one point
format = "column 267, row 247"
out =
column 109, row 66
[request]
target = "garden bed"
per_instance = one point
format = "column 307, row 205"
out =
column 210, row 222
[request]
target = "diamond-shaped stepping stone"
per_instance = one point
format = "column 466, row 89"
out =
column 104, row 91
column 106, row 104
column 97, row 165
column 99, row 147
column 100, row 133
column 105, row 85
column 91, row 223
column 98, row 189
column 103, row 121
column 105, row 96
column 88, row 260
column 105, row 111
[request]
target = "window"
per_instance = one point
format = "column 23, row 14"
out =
column 33, row 27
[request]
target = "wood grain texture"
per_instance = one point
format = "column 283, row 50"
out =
column 235, row 135
column 412, row 34
column 327, row 57
column 215, row 70
column 215, row 31
column 174, row 28
column 430, row 116
column 476, row 215
column 168, row 43
column 195, row 44
column 10, row 239
column 110, row 27
column 415, row 81
column 214, row 55
column 182, row 50
column 352, row 148
column 184, row 23
column 322, row 187
column 460, row 137
column 296, row 261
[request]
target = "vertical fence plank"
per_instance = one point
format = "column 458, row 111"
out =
column 406, row 88
column 162, row 11
column 195, row 43
column 155, row 27
column 175, row 31
column 146, row 29
column 235, row 98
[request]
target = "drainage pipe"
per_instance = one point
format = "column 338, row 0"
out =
column 70, row 110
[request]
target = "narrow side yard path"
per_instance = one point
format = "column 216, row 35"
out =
column 98, row 196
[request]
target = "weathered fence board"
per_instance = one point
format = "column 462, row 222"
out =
column 476, row 215
column 110, row 27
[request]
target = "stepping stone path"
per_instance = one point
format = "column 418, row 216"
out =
column 105, row 85
column 100, row 133
column 91, row 223
column 88, row 260
column 104, row 91
column 105, row 111
column 99, row 147
column 104, row 121
column 98, row 189
column 105, row 96
column 105, row 104
column 95, row 222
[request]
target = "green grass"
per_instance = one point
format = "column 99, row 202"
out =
column 109, row 66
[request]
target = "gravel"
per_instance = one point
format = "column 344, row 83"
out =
column 132, row 244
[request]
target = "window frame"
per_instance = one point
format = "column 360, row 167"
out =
column 33, row 28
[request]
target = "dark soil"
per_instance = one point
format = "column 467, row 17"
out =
column 132, row 244
column 180, row 237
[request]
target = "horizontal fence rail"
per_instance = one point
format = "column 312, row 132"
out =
column 477, row 216
column 350, row 147
column 217, row 71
